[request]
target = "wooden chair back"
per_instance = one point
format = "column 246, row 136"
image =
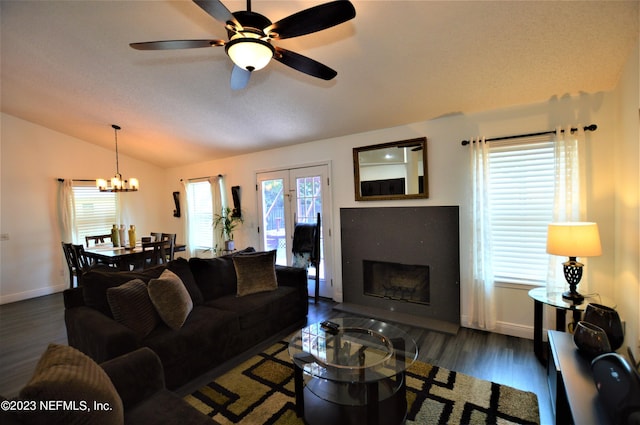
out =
column 158, row 252
column 77, row 262
column 84, row 262
column 171, row 237
column 97, row 239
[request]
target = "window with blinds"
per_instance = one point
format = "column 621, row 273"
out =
column 95, row 212
column 200, row 215
column 521, row 187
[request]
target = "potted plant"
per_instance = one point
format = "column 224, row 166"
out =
column 226, row 222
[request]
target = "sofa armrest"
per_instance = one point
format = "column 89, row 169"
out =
column 73, row 297
column 295, row 277
column 291, row 276
column 97, row 335
column 136, row 375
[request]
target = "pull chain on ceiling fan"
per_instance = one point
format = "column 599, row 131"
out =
column 250, row 35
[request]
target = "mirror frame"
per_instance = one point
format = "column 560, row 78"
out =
column 422, row 141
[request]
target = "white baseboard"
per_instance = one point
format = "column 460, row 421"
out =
column 505, row 328
column 34, row 293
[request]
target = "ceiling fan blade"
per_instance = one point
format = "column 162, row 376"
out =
column 314, row 19
column 176, row 44
column 239, row 78
column 304, row 64
column 219, row 12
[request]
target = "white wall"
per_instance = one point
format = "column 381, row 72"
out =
column 33, row 158
column 627, row 200
column 448, row 181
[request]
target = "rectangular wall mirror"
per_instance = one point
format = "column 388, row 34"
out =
column 394, row 170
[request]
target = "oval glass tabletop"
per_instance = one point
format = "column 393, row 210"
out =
column 359, row 350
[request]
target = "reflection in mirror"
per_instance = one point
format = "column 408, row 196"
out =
column 395, row 170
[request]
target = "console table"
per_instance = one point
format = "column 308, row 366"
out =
column 573, row 392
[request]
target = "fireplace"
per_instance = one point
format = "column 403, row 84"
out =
column 396, row 281
column 403, row 261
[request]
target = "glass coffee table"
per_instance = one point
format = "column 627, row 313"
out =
column 354, row 374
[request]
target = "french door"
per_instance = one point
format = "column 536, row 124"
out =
column 287, row 197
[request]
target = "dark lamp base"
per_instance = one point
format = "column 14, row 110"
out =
column 573, row 296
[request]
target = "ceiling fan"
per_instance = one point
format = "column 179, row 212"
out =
column 250, row 35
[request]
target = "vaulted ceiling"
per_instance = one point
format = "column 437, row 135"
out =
column 67, row 65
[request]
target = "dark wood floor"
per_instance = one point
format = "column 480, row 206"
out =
column 26, row 327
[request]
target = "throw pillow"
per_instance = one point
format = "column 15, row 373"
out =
column 130, row 305
column 216, row 277
column 65, row 375
column 96, row 282
column 180, row 266
column 171, row 299
column 256, row 272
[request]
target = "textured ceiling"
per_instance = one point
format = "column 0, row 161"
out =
column 67, row 66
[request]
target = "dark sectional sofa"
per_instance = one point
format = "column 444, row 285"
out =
column 220, row 325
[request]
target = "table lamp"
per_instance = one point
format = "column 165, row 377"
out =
column 573, row 239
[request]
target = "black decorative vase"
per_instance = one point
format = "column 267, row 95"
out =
column 607, row 319
column 590, row 339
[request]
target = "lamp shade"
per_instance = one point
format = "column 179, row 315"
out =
column 574, row 239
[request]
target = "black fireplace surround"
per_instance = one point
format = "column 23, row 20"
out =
column 415, row 253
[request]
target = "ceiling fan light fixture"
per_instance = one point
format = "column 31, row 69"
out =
column 249, row 52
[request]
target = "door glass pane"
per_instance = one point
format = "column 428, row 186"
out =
column 273, row 218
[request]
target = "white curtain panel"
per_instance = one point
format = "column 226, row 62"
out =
column 190, row 249
column 219, row 202
column 66, row 210
column 569, row 200
column 216, row 185
column 482, row 311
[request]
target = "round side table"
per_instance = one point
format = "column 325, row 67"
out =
column 554, row 299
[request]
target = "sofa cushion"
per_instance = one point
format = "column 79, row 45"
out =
column 216, row 277
column 256, row 308
column 96, row 282
column 255, row 272
column 180, row 266
column 64, row 374
column 170, row 298
column 204, row 341
column 130, row 305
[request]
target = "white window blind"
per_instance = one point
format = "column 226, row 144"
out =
column 521, row 187
column 95, row 211
column 200, row 215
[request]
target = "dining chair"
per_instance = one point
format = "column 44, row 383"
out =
column 97, row 239
column 77, row 261
column 72, row 263
column 156, row 236
column 84, row 262
column 158, row 252
column 171, row 237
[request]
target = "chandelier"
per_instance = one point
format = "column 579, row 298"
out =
column 117, row 183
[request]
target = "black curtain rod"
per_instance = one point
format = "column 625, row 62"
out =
column 78, row 180
column 591, row 127
column 201, row 178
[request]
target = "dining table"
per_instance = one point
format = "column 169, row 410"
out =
column 124, row 256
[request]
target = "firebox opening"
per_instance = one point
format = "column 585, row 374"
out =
column 396, row 281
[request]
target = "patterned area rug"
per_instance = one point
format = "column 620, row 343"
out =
column 261, row 391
